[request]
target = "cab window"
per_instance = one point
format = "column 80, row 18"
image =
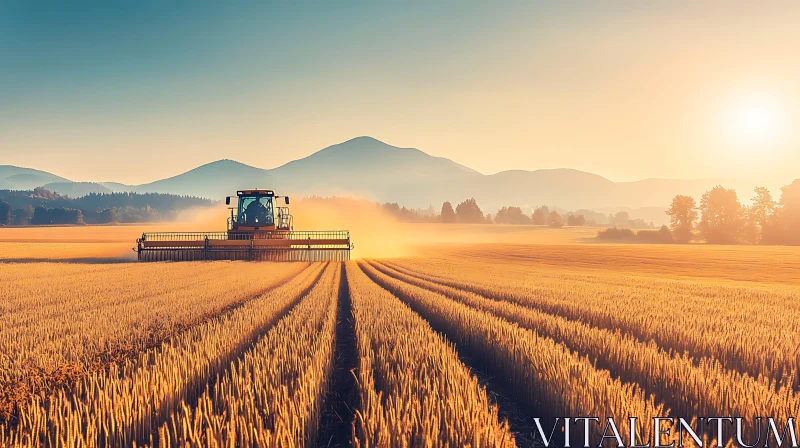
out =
column 256, row 211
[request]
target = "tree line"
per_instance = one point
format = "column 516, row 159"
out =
column 41, row 207
column 468, row 212
column 722, row 219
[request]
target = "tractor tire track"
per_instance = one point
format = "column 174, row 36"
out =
column 342, row 399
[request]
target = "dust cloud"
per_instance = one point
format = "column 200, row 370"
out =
column 377, row 234
column 201, row 219
column 373, row 232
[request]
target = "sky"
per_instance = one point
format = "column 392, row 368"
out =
column 137, row 91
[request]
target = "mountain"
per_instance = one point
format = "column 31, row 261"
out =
column 17, row 178
column 76, row 189
column 117, row 187
column 372, row 169
column 213, row 180
column 368, row 168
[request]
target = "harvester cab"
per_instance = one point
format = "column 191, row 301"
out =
column 258, row 211
column 258, row 229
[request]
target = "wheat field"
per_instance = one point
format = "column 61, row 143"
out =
column 458, row 345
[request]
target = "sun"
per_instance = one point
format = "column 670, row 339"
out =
column 754, row 122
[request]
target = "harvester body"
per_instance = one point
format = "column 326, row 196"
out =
column 258, row 230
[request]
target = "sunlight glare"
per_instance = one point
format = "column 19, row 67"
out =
column 754, row 122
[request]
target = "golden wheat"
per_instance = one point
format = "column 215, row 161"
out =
column 128, row 402
column 61, row 322
column 732, row 323
column 546, row 374
column 271, row 396
column 691, row 388
column 241, row 354
column 710, row 263
column 414, row 391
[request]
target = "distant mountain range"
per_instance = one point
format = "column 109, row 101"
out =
column 368, row 168
column 15, row 178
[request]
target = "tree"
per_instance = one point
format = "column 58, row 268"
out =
column 58, row 215
column 469, row 212
column 448, row 215
column 555, row 220
column 576, row 220
column 789, row 218
column 511, row 215
column 621, row 219
column 721, row 220
column 749, row 233
column 540, row 216
column 759, row 214
column 763, row 206
column 5, row 213
column 682, row 214
column 23, row 215
column 44, row 193
column 105, row 216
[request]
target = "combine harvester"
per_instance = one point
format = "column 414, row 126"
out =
column 260, row 230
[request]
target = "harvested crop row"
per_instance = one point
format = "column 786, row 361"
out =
column 55, row 333
column 546, row 374
column 128, row 403
column 414, row 390
column 548, row 279
column 272, row 395
column 741, row 336
column 38, row 271
column 773, row 264
column 688, row 387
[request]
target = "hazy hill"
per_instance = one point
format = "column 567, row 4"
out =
column 17, row 178
column 369, row 168
column 117, row 187
column 565, row 188
column 213, row 180
column 77, row 189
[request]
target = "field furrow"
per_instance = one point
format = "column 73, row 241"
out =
column 546, row 374
column 414, row 390
column 341, row 400
column 272, row 395
column 742, row 335
column 129, row 401
column 686, row 386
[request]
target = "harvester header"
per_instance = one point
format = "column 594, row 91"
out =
column 258, row 229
